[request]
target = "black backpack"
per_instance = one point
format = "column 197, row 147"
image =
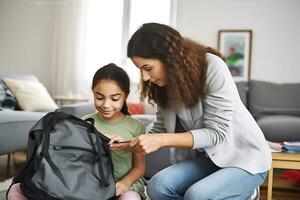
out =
column 68, row 159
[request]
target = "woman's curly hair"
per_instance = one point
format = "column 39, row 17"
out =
column 184, row 60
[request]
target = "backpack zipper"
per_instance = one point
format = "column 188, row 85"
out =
column 55, row 147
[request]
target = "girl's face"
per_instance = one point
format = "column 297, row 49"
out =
column 109, row 100
column 152, row 70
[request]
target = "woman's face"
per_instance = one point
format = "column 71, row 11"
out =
column 109, row 100
column 152, row 70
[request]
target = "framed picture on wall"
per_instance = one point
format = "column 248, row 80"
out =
column 235, row 45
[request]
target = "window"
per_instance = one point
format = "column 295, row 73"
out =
column 109, row 26
column 103, row 37
column 140, row 12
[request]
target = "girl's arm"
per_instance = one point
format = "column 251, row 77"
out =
column 136, row 172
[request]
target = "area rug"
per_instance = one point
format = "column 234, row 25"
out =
column 3, row 188
column 292, row 176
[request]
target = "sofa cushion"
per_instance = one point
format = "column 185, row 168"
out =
column 7, row 99
column 31, row 95
column 79, row 109
column 272, row 98
column 28, row 77
column 278, row 128
column 136, row 108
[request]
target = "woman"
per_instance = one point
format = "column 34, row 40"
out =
column 198, row 99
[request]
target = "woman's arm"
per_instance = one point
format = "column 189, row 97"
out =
column 136, row 172
column 151, row 142
column 157, row 138
column 219, row 105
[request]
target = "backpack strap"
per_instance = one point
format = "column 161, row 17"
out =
column 106, row 139
column 90, row 120
column 100, row 168
column 49, row 122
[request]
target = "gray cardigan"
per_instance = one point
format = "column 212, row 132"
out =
column 220, row 124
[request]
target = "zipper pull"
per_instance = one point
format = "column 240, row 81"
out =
column 56, row 147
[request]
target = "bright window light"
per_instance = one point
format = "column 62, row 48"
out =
column 103, row 34
column 144, row 11
column 109, row 25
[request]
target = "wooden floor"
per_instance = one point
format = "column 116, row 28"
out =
column 282, row 190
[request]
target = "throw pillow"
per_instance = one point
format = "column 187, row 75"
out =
column 7, row 99
column 136, row 108
column 31, row 95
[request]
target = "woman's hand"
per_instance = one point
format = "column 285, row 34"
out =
column 146, row 143
column 121, row 188
column 149, row 143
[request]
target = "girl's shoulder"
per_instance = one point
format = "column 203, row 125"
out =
column 136, row 125
column 135, row 121
column 91, row 115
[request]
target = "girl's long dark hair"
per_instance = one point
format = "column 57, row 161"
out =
column 117, row 74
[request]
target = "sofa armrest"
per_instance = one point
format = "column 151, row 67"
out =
column 79, row 109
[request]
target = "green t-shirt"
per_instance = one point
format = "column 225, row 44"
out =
column 127, row 128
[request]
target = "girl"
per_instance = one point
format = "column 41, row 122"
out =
column 198, row 100
column 110, row 88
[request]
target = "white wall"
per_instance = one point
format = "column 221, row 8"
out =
column 275, row 25
column 26, row 38
column 26, row 34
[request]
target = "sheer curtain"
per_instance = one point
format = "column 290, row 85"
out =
column 68, row 48
column 87, row 35
column 138, row 13
column 103, row 35
column 91, row 33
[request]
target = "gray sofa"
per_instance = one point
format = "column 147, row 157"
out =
column 276, row 108
column 15, row 125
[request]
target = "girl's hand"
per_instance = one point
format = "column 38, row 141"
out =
column 121, row 188
column 114, row 138
column 118, row 146
column 146, row 143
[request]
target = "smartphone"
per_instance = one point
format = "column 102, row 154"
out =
column 127, row 141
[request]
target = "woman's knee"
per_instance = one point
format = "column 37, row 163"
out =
column 160, row 185
column 198, row 192
column 156, row 187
